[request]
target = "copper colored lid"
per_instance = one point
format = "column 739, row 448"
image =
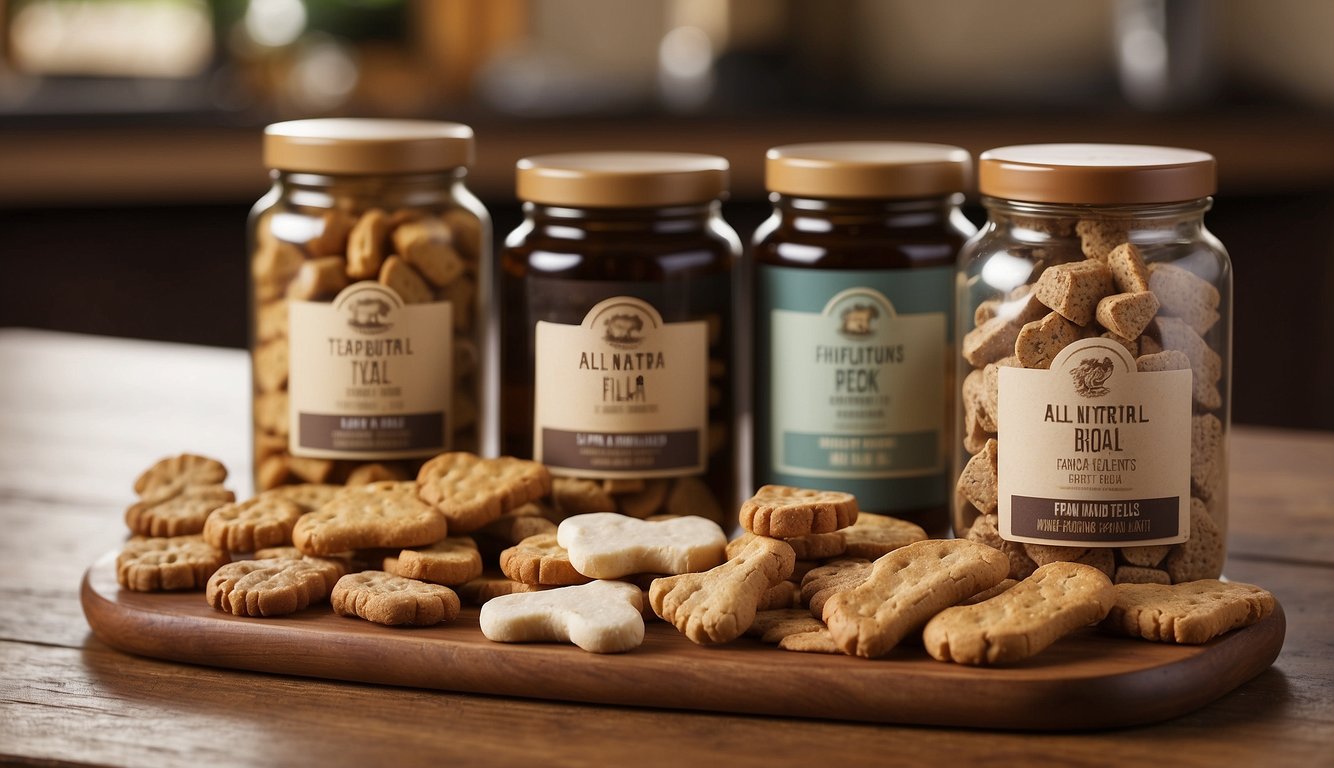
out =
column 365, row 146
column 866, row 169
column 621, row 179
column 1096, row 174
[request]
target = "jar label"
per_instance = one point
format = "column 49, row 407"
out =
column 853, row 382
column 370, row 376
column 1093, row 452
column 621, row 394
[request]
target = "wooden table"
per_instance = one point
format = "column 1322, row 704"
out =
column 80, row 416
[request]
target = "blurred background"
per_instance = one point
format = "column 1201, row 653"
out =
column 130, row 129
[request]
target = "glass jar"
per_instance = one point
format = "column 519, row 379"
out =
column 616, row 332
column 1094, row 377
column 854, row 292
column 369, row 264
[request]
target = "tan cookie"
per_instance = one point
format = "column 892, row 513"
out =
column 1056, row 600
column 1134, row 574
column 819, row 641
column 540, row 560
column 311, row 470
column 577, row 496
column 821, row 583
column 273, row 265
column 600, row 617
column 978, row 481
column 983, row 531
column 784, row 594
column 308, row 496
column 513, row 527
column 376, row 472
column 450, row 561
column 974, row 392
column 345, row 562
column 995, row 339
column 1040, row 341
column 319, row 279
column 907, row 587
column 160, row 564
column 271, row 414
column 1207, row 459
column 270, row 364
column 1102, row 558
column 399, row 276
column 1073, row 290
column 173, row 475
column 332, row 239
column 366, row 245
column 774, row 625
column 690, row 496
column 180, row 515
column 875, row 535
column 987, row 594
column 1127, row 314
column 1202, row 556
column 1043, row 554
column 425, row 244
column 1185, row 295
column 384, row 598
column 606, row 545
column 252, row 524
column 271, row 472
column 367, row 516
column 1128, row 269
column 784, row 511
column 718, row 605
column 487, row 587
column 270, row 587
column 1099, row 237
column 815, row 546
column 645, row 501
column 1190, row 613
column 1145, row 557
column 471, row 491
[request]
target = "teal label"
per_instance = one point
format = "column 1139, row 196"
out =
column 856, row 380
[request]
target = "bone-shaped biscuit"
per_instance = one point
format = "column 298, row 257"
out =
column 720, row 604
column 599, row 617
column 606, row 545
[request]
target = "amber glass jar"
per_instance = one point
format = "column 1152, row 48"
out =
column 854, row 288
column 1094, row 374
column 616, row 332
column 368, row 259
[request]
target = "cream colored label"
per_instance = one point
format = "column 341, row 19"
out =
column 1094, row 453
column 370, row 376
column 623, row 394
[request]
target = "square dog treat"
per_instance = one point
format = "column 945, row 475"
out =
column 994, row 339
column 1073, row 290
column 875, row 535
column 264, row 521
column 977, row 482
column 783, row 511
column 270, row 587
column 907, row 587
column 385, row 515
column 1127, row 314
column 384, row 598
column 1128, row 269
column 718, row 605
column 471, row 491
column 1056, row 600
column 606, row 545
column 1099, row 237
column 540, row 560
column 1041, row 340
column 599, row 617
column 1185, row 295
column 450, row 561
column 1191, row 613
column 165, row 564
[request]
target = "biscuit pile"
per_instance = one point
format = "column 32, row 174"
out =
column 809, row 573
column 1161, row 314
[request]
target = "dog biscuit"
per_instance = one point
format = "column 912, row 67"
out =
column 387, row 515
column 1040, row 341
column 1191, row 613
column 471, row 491
column 782, row 511
column 577, row 496
column 977, row 482
column 718, row 605
column 1129, row 272
column 270, row 587
column 1099, row 237
column 1072, row 290
column 815, row 546
column 823, row 582
column 772, row 626
column 252, row 524
column 167, row 563
column 180, row 515
column 983, row 531
column 540, row 560
column 607, row 545
column 599, row 617
column 425, row 244
column 450, row 561
column 873, row 536
column 366, row 245
column 384, row 598
column 1127, row 314
column 1202, row 555
column 1185, row 295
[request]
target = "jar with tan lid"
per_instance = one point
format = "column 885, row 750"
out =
column 854, row 292
column 369, row 257
column 616, row 295
column 1095, row 364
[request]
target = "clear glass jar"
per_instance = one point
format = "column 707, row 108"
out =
column 854, row 293
column 616, row 333
column 1095, row 370
column 369, row 272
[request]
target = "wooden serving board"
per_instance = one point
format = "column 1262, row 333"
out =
column 1088, row 680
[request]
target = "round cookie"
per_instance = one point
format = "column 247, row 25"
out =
column 252, row 524
column 393, row 600
column 540, row 560
column 782, row 511
column 175, row 563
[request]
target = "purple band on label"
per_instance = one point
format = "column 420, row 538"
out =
column 1108, row 521
column 398, row 432
column 620, row 451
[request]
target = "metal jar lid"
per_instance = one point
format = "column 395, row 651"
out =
column 621, row 179
column 367, row 146
column 1096, row 174
column 867, row 169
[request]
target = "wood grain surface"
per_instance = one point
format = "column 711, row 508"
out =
column 80, row 416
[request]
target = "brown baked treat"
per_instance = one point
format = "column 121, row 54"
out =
column 332, row 239
column 308, row 496
column 1185, row 295
column 1040, row 341
column 1024, row 620
column 1134, row 574
column 270, row 365
column 1145, row 557
column 375, row 472
column 173, row 475
column 311, row 470
column 1128, row 269
column 450, row 561
column 401, row 278
column 984, row 531
column 540, row 560
column 393, row 600
column 815, row 546
column 819, row 641
column 425, row 244
column 690, row 496
column 1099, row 237
column 907, row 587
column 252, row 524
column 270, row 587
column 718, row 605
column 1127, row 314
column 977, row 483
column 577, row 496
column 179, row 515
column 367, row 516
column 770, row 626
column 1192, row 613
column 820, row 584
column 319, row 279
column 784, row 594
column 1201, row 556
column 163, row 564
column 782, row 511
column 486, row 587
column 471, row 491
column 1043, row 554
column 1207, row 457
column 366, row 245
column 875, row 535
column 1072, row 290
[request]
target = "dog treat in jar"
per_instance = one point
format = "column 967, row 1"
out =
column 1094, row 365
column 615, row 305
column 368, row 260
column 854, row 292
